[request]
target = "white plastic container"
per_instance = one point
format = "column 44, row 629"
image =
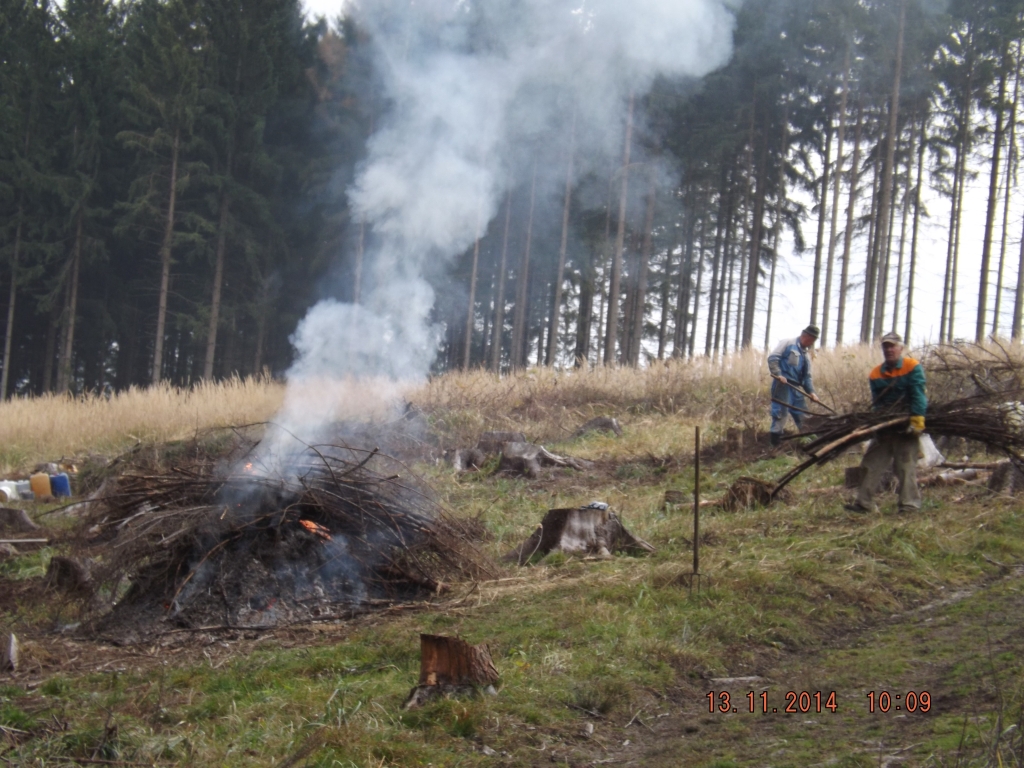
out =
column 8, row 491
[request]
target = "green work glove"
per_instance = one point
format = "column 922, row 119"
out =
column 916, row 426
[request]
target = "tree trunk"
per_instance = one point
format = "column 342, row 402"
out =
column 822, row 211
column 716, row 263
column 666, row 296
column 613, row 287
column 724, row 294
column 521, row 316
column 903, row 230
column 5, row 377
column 165, row 264
column 953, row 246
column 870, row 266
column 1011, row 173
column 467, row 342
column 993, row 194
column 777, row 224
column 885, row 203
column 640, row 296
column 218, row 282
column 499, row 301
column 754, row 267
column 844, row 275
column 1018, row 304
column 685, row 275
column 64, row 364
column 884, row 263
column 556, row 304
column 837, row 183
column 913, row 237
column 692, row 335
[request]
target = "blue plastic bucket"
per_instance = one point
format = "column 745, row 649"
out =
column 60, row 484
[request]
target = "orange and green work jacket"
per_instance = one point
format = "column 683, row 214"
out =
column 900, row 384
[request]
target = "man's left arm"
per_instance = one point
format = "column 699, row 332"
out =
column 917, row 392
column 918, row 398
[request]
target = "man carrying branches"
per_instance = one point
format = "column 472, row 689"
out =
column 790, row 366
column 898, row 383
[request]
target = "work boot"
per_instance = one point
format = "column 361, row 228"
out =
column 853, row 506
column 775, row 438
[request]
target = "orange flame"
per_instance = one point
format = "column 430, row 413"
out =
column 248, row 467
column 316, row 528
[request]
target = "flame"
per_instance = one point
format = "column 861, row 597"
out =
column 248, row 467
column 316, row 528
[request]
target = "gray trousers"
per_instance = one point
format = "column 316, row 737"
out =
column 901, row 452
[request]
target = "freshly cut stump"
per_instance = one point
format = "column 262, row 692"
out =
column 750, row 492
column 450, row 666
column 591, row 530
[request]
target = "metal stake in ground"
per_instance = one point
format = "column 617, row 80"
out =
column 695, row 576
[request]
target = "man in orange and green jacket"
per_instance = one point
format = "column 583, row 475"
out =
column 898, row 384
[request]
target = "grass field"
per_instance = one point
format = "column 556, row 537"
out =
column 601, row 661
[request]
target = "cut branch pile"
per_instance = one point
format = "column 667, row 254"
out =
column 338, row 532
column 994, row 419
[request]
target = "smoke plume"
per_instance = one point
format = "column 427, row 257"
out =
column 477, row 91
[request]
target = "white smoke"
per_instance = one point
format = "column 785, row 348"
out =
column 474, row 88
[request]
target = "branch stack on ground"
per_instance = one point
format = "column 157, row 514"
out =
column 340, row 531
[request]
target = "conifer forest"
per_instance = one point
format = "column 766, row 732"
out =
column 177, row 176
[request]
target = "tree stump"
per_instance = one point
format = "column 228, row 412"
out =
column 449, row 665
column 1008, row 478
column 9, row 654
column 527, row 459
column 734, row 441
column 16, row 520
column 591, row 530
column 465, row 459
column 70, row 576
column 520, row 459
column 600, row 424
column 492, row 442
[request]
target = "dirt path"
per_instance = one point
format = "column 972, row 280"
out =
column 965, row 651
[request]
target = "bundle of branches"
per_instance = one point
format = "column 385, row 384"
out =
column 334, row 531
column 995, row 419
column 966, row 369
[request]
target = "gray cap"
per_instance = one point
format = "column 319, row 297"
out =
column 813, row 331
column 892, row 338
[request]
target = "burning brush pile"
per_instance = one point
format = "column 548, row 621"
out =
column 341, row 532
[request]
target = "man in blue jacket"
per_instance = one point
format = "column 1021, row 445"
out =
column 790, row 364
column 897, row 385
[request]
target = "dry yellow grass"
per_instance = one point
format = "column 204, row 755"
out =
column 50, row 427
column 547, row 404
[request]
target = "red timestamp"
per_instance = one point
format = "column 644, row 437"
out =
column 800, row 702
column 883, row 701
